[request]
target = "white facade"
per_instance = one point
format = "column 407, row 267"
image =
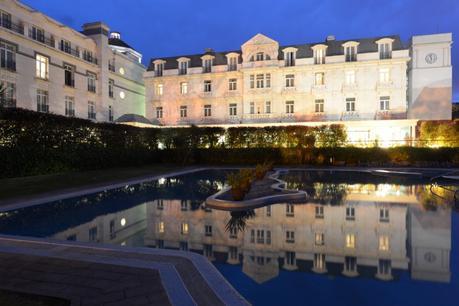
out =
column 52, row 68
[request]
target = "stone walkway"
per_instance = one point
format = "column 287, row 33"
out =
column 107, row 275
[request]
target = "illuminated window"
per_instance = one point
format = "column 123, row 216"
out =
column 350, row 241
column 207, row 86
column 290, row 107
column 232, row 84
column 319, row 105
column 208, row 230
column 384, row 103
column 319, row 239
column 42, row 66
column 290, row 80
column 159, row 112
column 384, row 75
column 350, row 104
column 159, row 90
column 233, row 109
column 384, row 243
column 183, row 111
column 268, row 107
column 207, row 110
column 290, row 236
column 350, row 77
column 319, row 56
column 350, row 53
column 183, row 88
column 319, row 79
column 319, row 261
column 161, row 227
column 184, row 229
column 69, row 106
column 384, row 214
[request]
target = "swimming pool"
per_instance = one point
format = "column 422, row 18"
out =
column 359, row 240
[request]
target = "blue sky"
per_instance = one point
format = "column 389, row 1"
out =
column 159, row 28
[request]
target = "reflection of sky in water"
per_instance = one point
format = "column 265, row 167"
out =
column 360, row 239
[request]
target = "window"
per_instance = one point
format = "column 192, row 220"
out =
column 350, row 104
column 233, row 109
column 252, row 236
column 384, row 243
column 160, row 204
column 350, row 77
column 91, row 110
column 233, row 254
column 384, row 75
column 268, row 107
column 7, row 56
column 183, row 246
column 111, row 86
column 183, row 67
column 289, row 107
column 350, row 213
column 69, row 75
column 208, row 252
column 160, row 244
column 207, row 65
column 159, row 69
column 350, row 264
column 232, row 84
column 350, row 241
column 72, row 237
column 268, row 80
column 350, row 53
column 319, row 239
column 69, row 106
column 207, row 110
column 268, row 237
column 110, row 113
column 260, row 80
column 91, row 82
column 290, row 80
column 260, row 236
column 319, row 212
column 289, row 59
column 290, row 236
column 384, row 267
column 161, row 227
column 159, row 112
column 37, row 34
column 207, row 86
column 252, row 107
column 319, row 105
column 159, row 90
column 385, row 51
column 42, row 101
column 87, row 56
column 111, row 65
column 319, row 261
column 259, row 56
column 268, row 211
column 290, row 258
column 208, row 230
column 42, row 66
column 384, row 214
column 319, row 56
column 93, row 234
column 289, row 210
column 232, row 64
column 5, row 20
column 184, row 228
column 8, row 95
column 183, row 88
column 319, row 79
column 384, row 103
column 66, row 46
column 183, row 111
column 252, row 81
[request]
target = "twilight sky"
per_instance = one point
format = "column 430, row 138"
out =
column 159, row 28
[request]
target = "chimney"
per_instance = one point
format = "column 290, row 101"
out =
column 115, row 35
column 330, row 38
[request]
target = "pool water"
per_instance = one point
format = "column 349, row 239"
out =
column 359, row 240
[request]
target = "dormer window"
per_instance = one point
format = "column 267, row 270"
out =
column 320, row 51
column 183, row 67
column 159, row 69
column 259, row 56
column 350, row 53
column 207, row 65
column 385, row 48
column 290, row 58
column 232, row 63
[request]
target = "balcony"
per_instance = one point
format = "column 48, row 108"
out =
column 69, row 50
column 7, row 102
column 15, row 27
column 351, row 115
column 90, row 59
column 49, row 41
column 349, row 87
column 257, row 64
column 9, row 65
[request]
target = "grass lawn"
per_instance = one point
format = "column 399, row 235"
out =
column 27, row 187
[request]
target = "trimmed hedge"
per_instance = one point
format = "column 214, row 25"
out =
column 34, row 143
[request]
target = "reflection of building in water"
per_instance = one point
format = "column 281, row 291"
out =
column 367, row 235
column 116, row 228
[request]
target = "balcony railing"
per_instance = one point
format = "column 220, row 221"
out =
column 42, row 38
column 7, row 102
column 90, row 59
column 8, row 65
column 16, row 27
column 69, row 50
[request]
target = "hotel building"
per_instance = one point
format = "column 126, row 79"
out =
column 49, row 67
column 359, row 83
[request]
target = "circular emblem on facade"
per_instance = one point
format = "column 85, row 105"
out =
column 430, row 257
column 431, row 58
column 122, row 95
column 122, row 71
